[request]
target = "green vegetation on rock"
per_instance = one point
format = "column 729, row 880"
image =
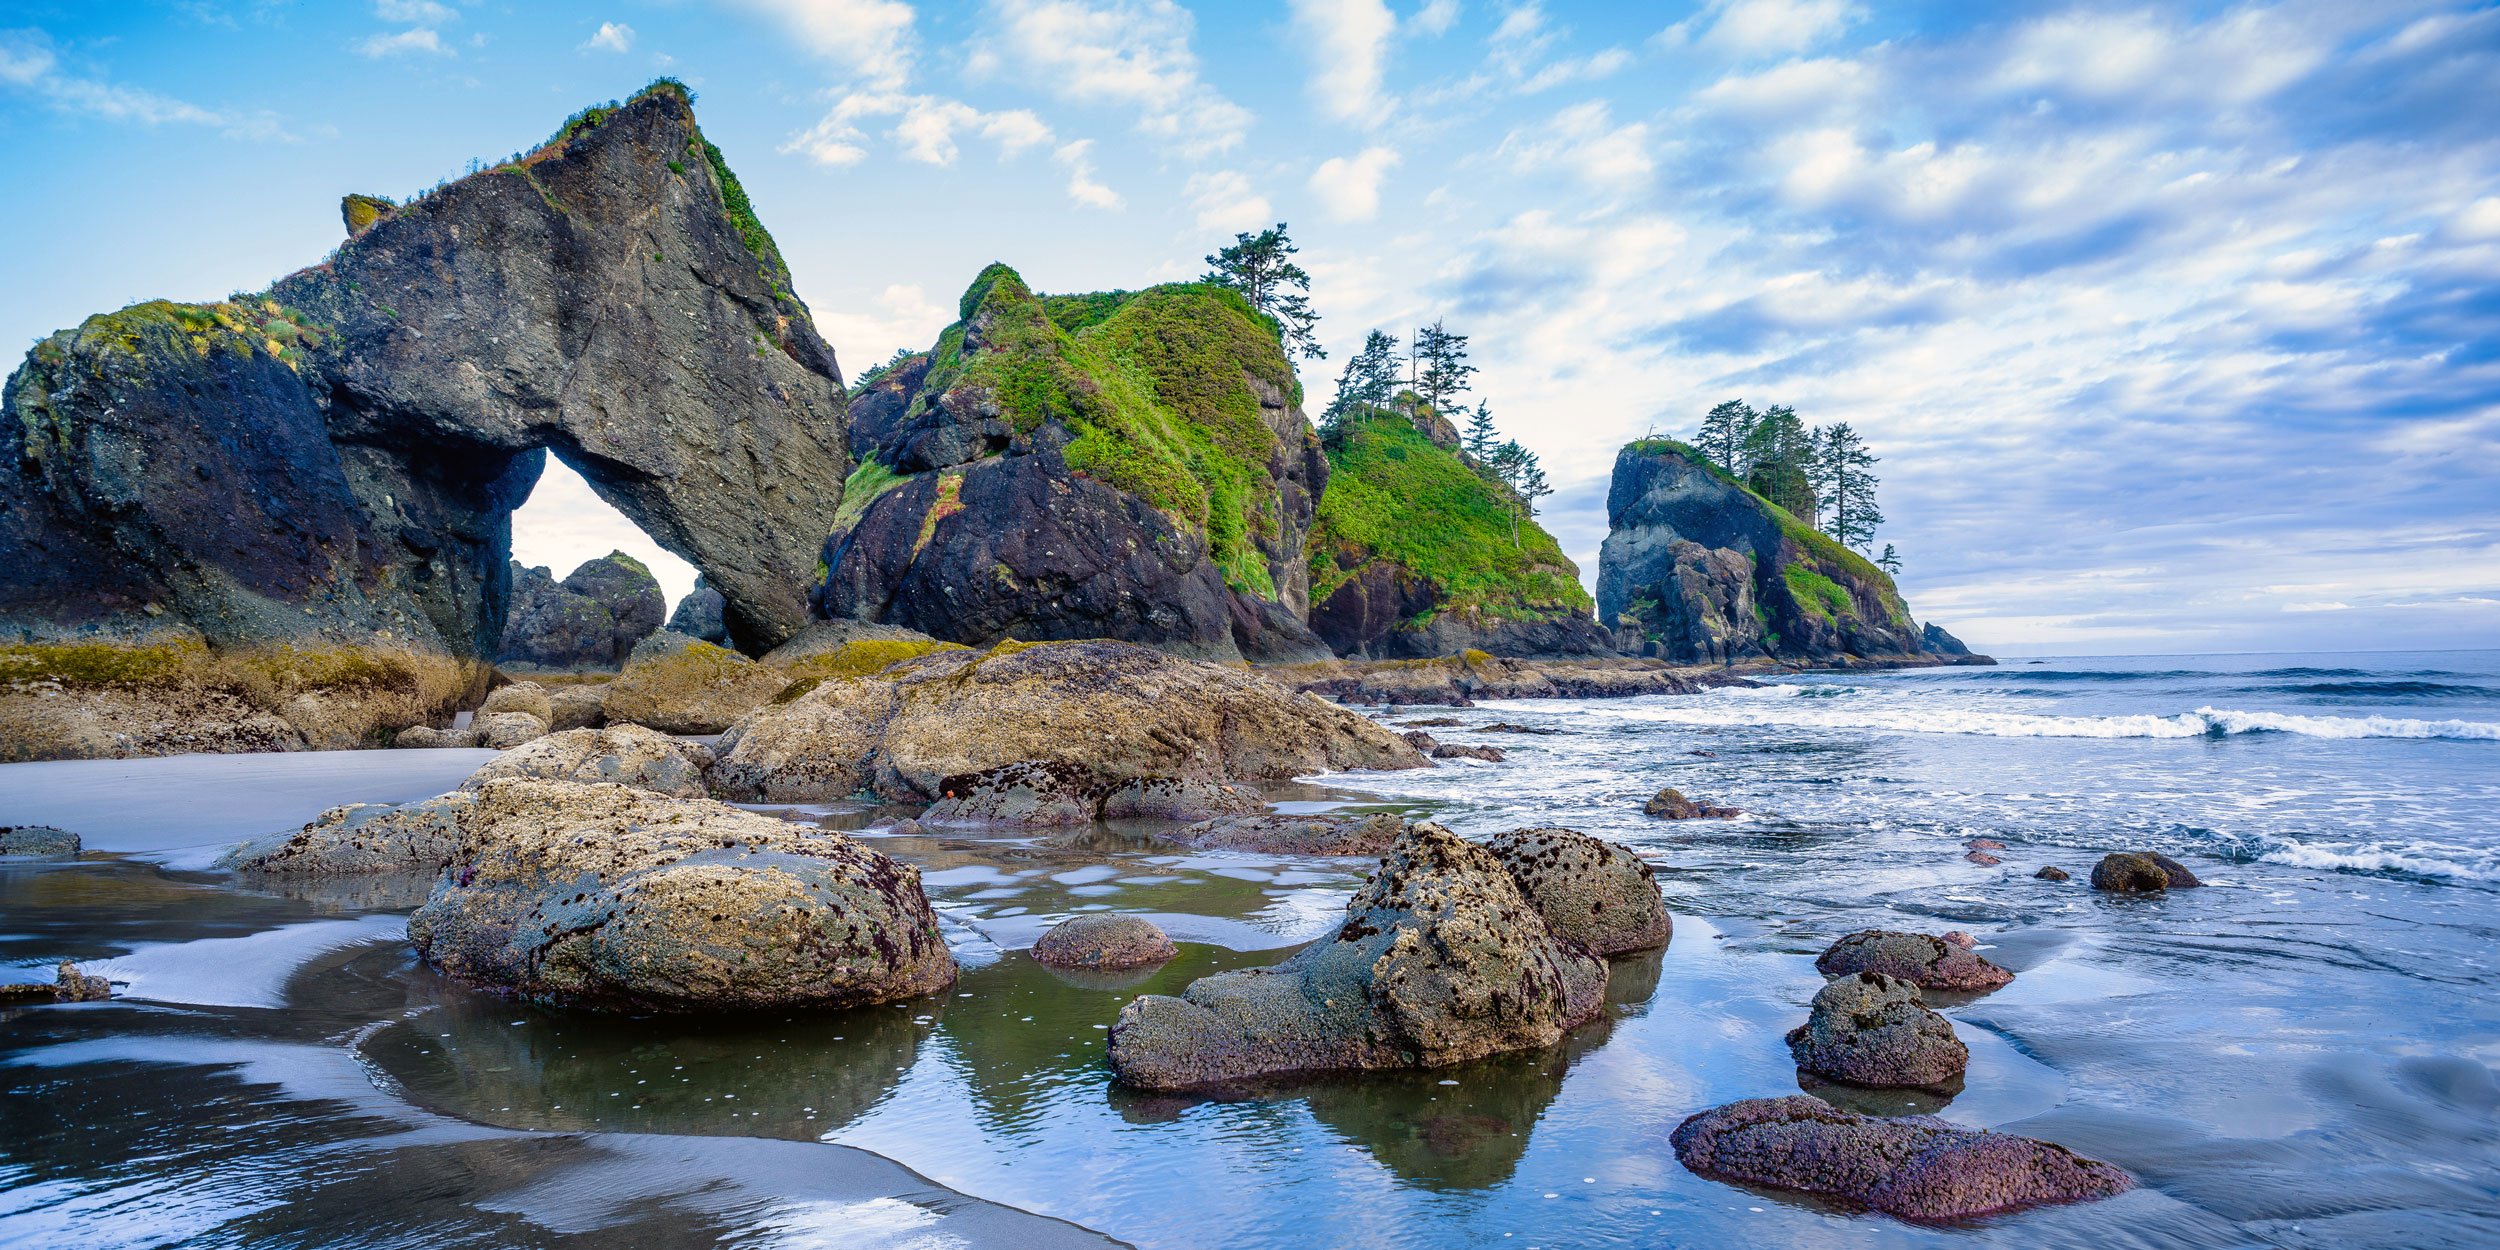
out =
column 1154, row 386
column 1393, row 495
column 1812, row 580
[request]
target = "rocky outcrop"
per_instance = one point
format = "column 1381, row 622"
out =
column 1872, row 1030
column 609, row 897
column 1597, row 894
column 628, row 755
column 1912, row 1167
column 37, row 842
column 1037, row 793
column 1928, row 962
column 1425, row 743
column 678, row 685
column 362, row 838
column 1132, row 466
column 429, row 738
column 339, row 456
column 502, row 731
column 1121, row 712
column 100, row 700
column 1697, row 568
column 520, row 696
column 1935, row 641
column 1461, row 679
column 1440, row 960
column 702, row 614
column 1271, row 833
column 1103, row 942
column 590, row 620
column 2141, row 872
column 1670, row 804
column 1415, row 552
column 68, row 985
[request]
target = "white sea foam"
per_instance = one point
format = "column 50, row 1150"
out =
column 1752, row 710
column 2422, row 859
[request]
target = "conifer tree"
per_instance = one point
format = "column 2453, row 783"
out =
column 1847, row 477
column 1723, row 431
column 1261, row 267
column 1370, row 380
column 1479, row 439
column 1890, row 561
column 1778, row 456
column 1441, row 365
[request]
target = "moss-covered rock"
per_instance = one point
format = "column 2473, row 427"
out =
column 680, row 685
column 1414, row 552
column 1130, row 465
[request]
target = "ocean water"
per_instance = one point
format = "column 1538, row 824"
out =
column 2300, row 1054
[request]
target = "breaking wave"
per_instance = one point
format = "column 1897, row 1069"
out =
column 2204, row 722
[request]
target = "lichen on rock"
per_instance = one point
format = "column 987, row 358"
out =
column 1596, row 893
column 681, row 685
column 628, row 755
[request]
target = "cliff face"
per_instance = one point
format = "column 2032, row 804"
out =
column 340, row 455
column 1131, row 465
column 1701, row 570
column 1413, row 553
column 590, row 620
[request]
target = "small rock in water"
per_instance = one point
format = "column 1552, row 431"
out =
column 1871, row 1029
column 2141, row 872
column 1505, row 727
column 2052, row 873
column 1984, row 844
column 1447, row 751
column 1914, row 1167
column 1670, row 804
column 1930, row 963
column 1963, row 940
column 68, row 985
column 1104, row 941
column 1708, row 755
column 37, row 842
column 1275, row 834
column 1982, row 858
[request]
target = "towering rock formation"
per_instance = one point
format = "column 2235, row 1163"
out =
column 1699, row 569
column 1416, row 553
column 1130, row 465
column 590, row 620
column 340, row 455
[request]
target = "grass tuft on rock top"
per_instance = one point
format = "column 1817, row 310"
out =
column 866, row 656
column 1393, row 495
column 1155, row 387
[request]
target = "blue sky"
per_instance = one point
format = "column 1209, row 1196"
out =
column 2178, row 326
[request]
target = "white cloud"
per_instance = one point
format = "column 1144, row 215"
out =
column 27, row 62
column 1129, row 53
column 1225, row 201
column 925, row 127
column 1583, row 140
column 1771, row 27
column 414, row 12
column 868, row 330
column 871, row 40
column 1519, row 54
column 1349, row 188
column 1347, row 40
column 403, row 43
column 1434, row 18
column 1082, row 187
column 611, row 37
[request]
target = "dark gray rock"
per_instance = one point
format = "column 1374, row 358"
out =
column 624, row 587
column 1872, row 1030
column 700, row 615
column 1934, row 640
column 2052, row 873
column 1703, row 569
column 37, row 842
column 1595, row 893
column 1670, row 804
column 2141, row 872
column 1912, row 1167
column 1928, row 962
column 607, row 296
column 589, row 621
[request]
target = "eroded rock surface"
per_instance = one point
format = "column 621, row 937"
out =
column 629, row 755
column 1928, row 962
column 361, row 838
column 681, row 685
column 1913, row 1167
column 2141, row 872
column 1038, row 793
column 1440, row 960
column 1590, row 891
column 38, row 842
column 610, row 897
column 1103, row 942
column 1272, row 833
column 1870, row 1029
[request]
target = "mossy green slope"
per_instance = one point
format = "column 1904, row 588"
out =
column 1394, row 495
column 1154, row 386
column 1814, row 578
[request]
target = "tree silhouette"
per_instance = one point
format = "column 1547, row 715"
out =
column 1261, row 267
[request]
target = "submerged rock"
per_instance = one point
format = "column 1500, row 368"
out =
column 1103, row 942
column 610, row 897
column 629, row 755
column 1036, row 793
column 1440, row 960
column 1930, row 963
column 37, row 842
column 1871, row 1029
column 2052, row 872
column 1912, row 1167
column 2141, row 872
column 1596, row 893
column 1120, row 711
column 68, row 985
column 361, row 838
column 680, row 685
column 1670, row 804
column 1271, row 833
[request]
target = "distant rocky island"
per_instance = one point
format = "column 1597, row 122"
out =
column 283, row 520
